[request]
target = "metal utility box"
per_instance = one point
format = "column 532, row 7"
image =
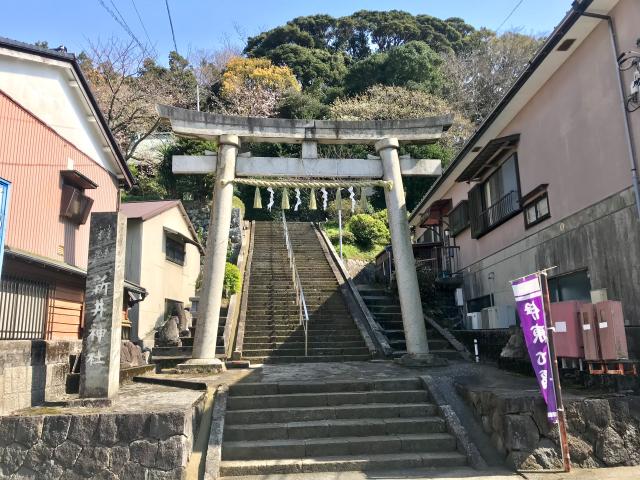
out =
column 568, row 329
column 610, row 322
column 589, row 332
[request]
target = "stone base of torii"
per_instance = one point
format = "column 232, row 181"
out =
column 229, row 131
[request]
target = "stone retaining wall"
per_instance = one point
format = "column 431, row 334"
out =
column 131, row 446
column 31, row 370
column 602, row 431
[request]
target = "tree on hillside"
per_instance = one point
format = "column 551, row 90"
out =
column 311, row 66
column 363, row 33
column 478, row 79
column 413, row 64
column 127, row 87
column 254, row 86
column 392, row 103
column 208, row 66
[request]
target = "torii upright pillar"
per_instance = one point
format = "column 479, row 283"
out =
column 204, row 346
column 406, row 277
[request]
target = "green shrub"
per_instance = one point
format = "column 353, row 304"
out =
column 347, row 237
column 238, row 203
column 232, row 280
column 368, row 230
column 382, row 216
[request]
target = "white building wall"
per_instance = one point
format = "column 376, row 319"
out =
column 46, row 88
column 161, row 278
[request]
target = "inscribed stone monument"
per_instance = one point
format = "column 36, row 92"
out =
column 100, row 372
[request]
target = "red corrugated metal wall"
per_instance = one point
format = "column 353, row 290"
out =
column 31, row 157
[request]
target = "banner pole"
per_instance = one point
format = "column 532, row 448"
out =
column 562, row 424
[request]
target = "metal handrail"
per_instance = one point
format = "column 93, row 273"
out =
column 303, row 314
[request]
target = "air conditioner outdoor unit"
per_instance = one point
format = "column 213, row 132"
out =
column 474, row 321
column 486, row 320
column 502, row 316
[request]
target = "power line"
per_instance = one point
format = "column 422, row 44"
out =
column 510, row 14
column 135, row 7
column 123, row 24
column 173, row 34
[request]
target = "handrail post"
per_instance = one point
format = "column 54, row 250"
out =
column 303, row 314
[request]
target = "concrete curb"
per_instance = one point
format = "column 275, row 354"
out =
column 448, row 336
column 244, row 298
column 454, row 426
column 214, row 450
column 235, row 303
column 171, row 382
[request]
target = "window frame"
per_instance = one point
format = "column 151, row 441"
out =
column 481, row 185
column 531, row 200
column 173, row 259
column 462, row 204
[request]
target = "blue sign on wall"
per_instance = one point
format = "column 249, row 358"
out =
column 5, row 190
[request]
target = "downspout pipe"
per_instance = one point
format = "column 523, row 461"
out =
column 629, row 137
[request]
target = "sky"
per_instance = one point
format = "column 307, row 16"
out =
column 209, row 24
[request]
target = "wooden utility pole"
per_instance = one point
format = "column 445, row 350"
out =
column 562, row 422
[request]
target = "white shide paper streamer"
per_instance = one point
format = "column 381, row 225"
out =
column 271, row 201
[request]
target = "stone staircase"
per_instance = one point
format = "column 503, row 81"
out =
column 272, row 330
column 385, row 308
column 334, row 426
column 169, row 357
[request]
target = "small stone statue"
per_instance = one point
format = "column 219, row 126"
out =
column 131, row 355
column 169, row 335
column 186, row 322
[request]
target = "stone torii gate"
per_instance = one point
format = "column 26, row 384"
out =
column 229, row 131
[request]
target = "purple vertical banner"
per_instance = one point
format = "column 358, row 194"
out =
column 528, row 293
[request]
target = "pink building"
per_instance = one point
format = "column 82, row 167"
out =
column 547, row 180
column 63, row 164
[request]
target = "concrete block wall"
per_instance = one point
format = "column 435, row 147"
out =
column 32, row 370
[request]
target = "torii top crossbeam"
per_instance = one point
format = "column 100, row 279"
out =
column 275, row 130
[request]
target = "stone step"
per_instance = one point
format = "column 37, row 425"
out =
column 284, row 345
column 239, row 468
column 371, row 300
column 329, row 386
column 377, row 309
column 317, row 399
column 283, row 314
column 336, row 350
column 275, row 358
column 328, row 446
column 303, row 414
column 290, row 306
column 293, row 321
column 284, row 329
column 345, row 338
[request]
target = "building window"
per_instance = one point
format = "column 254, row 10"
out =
column 459, row 218
column 431, row 235
column 571, row 286
column 477, row 304
column 536, row 206
column 496, row 199
column 175, row 250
